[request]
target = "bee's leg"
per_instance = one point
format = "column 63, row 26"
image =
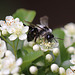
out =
column 36, row 37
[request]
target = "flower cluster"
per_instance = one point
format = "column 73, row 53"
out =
column 34, row 57
column 44, row 46
column 8, row 62
column 69, row 30
column 14, row 28
column 69, row 40
column 71, row 70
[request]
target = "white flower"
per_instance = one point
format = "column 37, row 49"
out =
column 14, row 27
column 2, row 48
column 33, row 70
column 54, row 68
column 56, row 51
column 69, row 30
column 48, row 46
column 19, row 32
column 69, row 72
column 9, row 64
column 49, row 57
column 71, row 50
column 68, row 41
column 61, row 71
column 72, row 59
column 36, row 47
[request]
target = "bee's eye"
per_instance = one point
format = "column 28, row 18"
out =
column 49, row 36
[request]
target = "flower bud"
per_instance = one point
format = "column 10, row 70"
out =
column 36, row 47
column 61, row 71
column 31, row 43
column 4, row 32
column 56, row 51
column 8, row 53
column 54, row 68
column 49, row 57
column 71, row 50
column 33, row 70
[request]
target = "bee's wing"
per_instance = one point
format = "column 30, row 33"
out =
column 44, row 20
column 33, row 25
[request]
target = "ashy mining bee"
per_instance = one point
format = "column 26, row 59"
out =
column 41, row 30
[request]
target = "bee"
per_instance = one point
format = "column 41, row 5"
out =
column 41, row 29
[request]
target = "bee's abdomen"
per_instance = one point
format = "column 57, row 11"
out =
column 32, row 33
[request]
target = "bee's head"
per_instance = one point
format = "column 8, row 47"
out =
column 49, row 37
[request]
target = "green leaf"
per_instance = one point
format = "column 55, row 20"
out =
column 28, row 49
column 29, row 58
column 41, row 72
column 51, row 73
column 20, row 53
column 17, row 42
column 25, row 15
column 66, row 64
column 63, row 52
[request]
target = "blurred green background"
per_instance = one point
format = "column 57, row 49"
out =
column 60, row 12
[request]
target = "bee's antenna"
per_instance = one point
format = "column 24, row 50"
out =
column 59, row 38
column 55, row 39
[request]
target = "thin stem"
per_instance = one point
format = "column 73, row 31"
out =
column 14, row 49
column 17, row 44
column 54, row 59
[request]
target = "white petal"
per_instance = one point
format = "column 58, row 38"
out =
column 10, row 30
column 3, row 45
column 4, row 27
column 72, row 56
column 2, row 22
column 9, row 18
column 25, row 29
column 12, row 37
column 72, row 67
column 69, row 72
column 19, row 62
column 67, row 41
column 15, row 70
column 17, row 20
column 6, row 71
column 72, row 61
column 1, row 54
column 8, row 53
column 23, row 36
column 1, row 73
